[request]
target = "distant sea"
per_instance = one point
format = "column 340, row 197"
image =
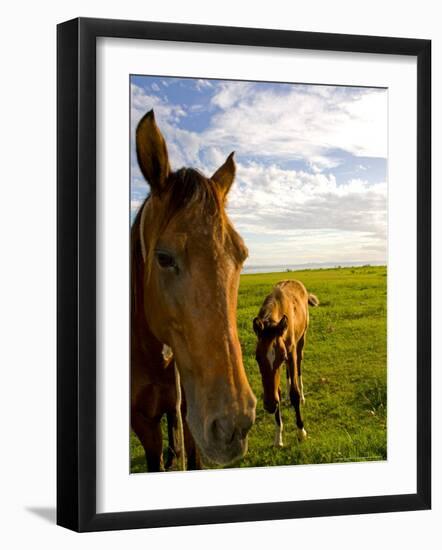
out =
column 302, row 267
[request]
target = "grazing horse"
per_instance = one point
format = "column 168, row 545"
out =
column 186, row 259
column 281, row 328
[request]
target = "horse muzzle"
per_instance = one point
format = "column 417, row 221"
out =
column 225, row 437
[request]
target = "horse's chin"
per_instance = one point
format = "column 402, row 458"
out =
column 214, row 452
column 224, row 456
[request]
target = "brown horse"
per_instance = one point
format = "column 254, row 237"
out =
column 186, row 259
column 281, row 328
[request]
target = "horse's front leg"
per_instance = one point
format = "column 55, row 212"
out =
column 193, row 455
column 148, row 431
column 192, row 452
column 279, row 427
column 287, row 383
column 295, row 394
column 300, row 357
column 192, row 459
column 174, row 451
column 146, row 413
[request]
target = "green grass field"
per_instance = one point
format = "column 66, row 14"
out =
column 344, row 371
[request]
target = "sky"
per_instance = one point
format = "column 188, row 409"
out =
column 311, row 181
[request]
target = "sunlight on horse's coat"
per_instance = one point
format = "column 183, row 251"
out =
column 279, row 425
column 301, row 388
column 186, row 259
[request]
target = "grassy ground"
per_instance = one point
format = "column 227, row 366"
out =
column 344, row 371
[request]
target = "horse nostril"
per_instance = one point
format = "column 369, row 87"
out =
column 227, row 430
column 222, row 429
column 244, row 425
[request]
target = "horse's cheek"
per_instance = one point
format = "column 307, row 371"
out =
column 167, row 298
column 155, row 308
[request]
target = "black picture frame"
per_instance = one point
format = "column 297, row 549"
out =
column 76, row 273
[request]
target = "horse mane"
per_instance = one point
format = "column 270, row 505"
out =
column 136, row 257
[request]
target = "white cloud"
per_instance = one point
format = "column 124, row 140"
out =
column 202, row 84
column 287, row 216
column 291, row 199
column 320, row 246
column 196, row 108
column 277, row 209
column 229, row 94
column 303, row 123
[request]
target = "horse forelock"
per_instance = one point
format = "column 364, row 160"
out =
column 270, row 330
column 187, row 187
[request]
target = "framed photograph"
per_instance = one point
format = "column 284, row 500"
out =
column 243, row 274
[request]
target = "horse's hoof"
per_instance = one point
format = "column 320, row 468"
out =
column 302, row 400
column 302, row 435
column 278, row 444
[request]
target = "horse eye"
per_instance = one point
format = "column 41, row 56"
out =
column 165, row 260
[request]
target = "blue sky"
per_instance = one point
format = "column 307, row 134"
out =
column 311, row 184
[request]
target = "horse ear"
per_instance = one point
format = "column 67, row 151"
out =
column 258, row 326
column 281, row 327
column 152, row 152
column 225, row 175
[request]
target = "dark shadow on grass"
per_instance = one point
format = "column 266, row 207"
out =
column 46, row 513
